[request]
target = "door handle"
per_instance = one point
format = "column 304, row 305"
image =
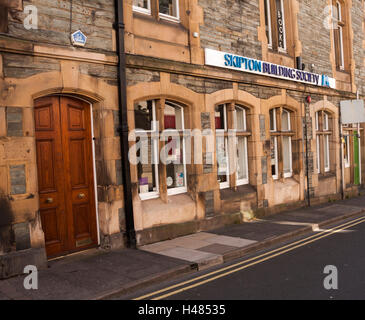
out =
column 49, row 200
column 81, row 195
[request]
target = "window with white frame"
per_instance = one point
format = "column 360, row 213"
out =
column 169, row 9
column 240, row 125
column 147, row 153
column 176, row 164
column 143, row 6
column 287, row 144
column 235, row 158
column 281, row 139
column 274, row 163
column 346, row 149
column 323, row 126
column 338, row 15
column 275, row 24
column 222, row 145
column 165, row 9
column 268, row 23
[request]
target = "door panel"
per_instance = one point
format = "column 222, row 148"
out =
column 65, row 174
column 356, row 159
column 76, row 134
column 50, row 177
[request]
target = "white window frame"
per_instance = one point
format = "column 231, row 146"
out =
column 318, row 143
column 283, row 50
column 318, row 153
column 339, row 19
column 347, row 160
column 154, row 144
column 288, row 174
column 327, row 166
column 179, row 190
column 226, row 184
column 268, row 11
column 276, row 176
column 143, row 10
column 171, row 18
column 240, row 182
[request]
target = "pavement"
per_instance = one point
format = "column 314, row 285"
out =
column 98, row 274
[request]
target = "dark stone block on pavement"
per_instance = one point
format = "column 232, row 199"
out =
column 22, row 235
column 13, row 263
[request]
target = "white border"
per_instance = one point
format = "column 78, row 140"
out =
column 172, row 18
column 143, row 10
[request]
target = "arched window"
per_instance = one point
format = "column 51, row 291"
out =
column 153, row 163
column 323, row 133
column 231, row 145
column 281, row 134
column 147, row 167
column 176, row 164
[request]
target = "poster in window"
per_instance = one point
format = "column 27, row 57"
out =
column 143, row 185
column 180, row 179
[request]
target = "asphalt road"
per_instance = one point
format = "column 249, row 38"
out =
column 294, row 270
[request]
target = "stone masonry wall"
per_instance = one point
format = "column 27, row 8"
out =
column 231, row 26
column 94, row 18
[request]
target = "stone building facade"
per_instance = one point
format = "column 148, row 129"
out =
column 61, row 185
column 59, row 118
column 167, row 65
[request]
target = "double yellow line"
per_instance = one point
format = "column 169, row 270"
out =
column 246, row 263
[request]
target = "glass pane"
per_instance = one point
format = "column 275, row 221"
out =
column 280, row 23
column 273, row 120
column 341, row 47
column 286, row 155
column 169, row 7
column 173, row 117
column 242, row 158
column 175, row 171
column 325, row 121
column 285, row 121
column 274, row 155
column 268, row 21
column 222, row 159
column 141, row 4
column 240, row 119
column 220, row 117
column 143, row 115
column 318, row 154
column 317, row 120
column 338, row 12
column 147, row 171
column 326, row 152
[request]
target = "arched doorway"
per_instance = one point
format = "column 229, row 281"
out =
column 66, row 184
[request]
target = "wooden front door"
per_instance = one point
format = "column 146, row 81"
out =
column 65, row 174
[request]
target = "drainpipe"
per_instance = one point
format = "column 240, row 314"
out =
column 306, row 151
column 123, row 130
column 341, row 155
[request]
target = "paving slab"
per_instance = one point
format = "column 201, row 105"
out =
column 257, row 230
column 230, row 241
column 217, row 248
column 188, row 254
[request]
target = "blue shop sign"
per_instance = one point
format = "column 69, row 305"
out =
column 231, row 61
